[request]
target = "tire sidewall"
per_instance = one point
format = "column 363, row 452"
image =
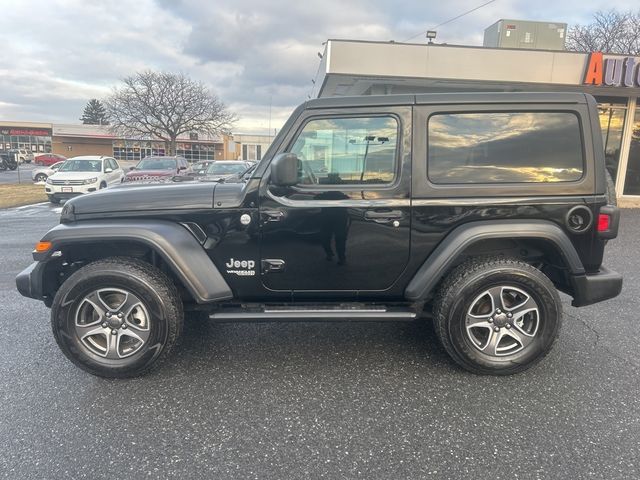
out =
column 550, row 318
column 69, row 298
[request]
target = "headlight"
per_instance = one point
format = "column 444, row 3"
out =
column 49, row 181
column 89, row 181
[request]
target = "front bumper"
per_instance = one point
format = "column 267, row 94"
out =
column 595, row 287
column 67, row 191
column 30, row 281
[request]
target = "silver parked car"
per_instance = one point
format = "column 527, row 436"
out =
column 41, row 174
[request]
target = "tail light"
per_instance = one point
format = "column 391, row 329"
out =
column 604, row 221
column 608, row 220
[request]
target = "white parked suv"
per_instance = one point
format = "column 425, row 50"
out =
column 80, row 175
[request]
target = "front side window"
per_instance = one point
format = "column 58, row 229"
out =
column 337, row 151
column 497, row 147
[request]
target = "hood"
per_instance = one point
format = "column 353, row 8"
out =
column 135, row 200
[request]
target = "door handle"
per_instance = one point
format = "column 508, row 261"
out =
column 382, row 216
column 271, row 265
column 273, row 215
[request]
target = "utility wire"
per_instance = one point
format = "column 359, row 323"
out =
column 450, row 20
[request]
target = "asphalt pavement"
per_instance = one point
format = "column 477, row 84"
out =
column 22, row 174
column 320, row 400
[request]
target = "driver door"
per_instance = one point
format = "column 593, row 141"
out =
column 345, row 226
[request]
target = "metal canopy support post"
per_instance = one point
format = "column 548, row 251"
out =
column 627, row 133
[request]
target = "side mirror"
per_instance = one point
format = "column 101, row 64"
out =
column 182, row 168
column 132, row 168
column 108, row 170
column 284, row 170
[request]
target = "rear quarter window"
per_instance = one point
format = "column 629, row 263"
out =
column 504, row 147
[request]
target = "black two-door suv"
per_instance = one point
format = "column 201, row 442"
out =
column 472, row 209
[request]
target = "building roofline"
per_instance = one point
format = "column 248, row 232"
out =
column 480, row 47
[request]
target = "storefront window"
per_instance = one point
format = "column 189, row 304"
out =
column 135, row 151
column 632, row 181
column 612, row 124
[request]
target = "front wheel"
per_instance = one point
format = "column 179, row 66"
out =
column 497, row 316
column 117, row 317
column 41, row 177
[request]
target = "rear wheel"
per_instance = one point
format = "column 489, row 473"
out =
column 117, row 317
column 497, row 316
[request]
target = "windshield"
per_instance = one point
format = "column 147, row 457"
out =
column 157, row 164
column 81, row 166
column 226, row 168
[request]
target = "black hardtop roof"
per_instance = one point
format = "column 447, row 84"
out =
column 447, row 98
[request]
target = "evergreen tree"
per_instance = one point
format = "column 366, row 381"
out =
column 94, row 113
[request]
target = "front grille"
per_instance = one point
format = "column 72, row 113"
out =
column 147, row 178
column 67, row 182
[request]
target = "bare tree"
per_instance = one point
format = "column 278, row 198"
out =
column 165, row 106
column 610, row 32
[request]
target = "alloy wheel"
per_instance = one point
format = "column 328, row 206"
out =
column 502, row 320
column 112, row 323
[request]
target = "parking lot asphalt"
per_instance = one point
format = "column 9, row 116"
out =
column 22, row 174
column 320, row 400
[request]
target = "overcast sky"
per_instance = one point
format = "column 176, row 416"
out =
column 56, row 55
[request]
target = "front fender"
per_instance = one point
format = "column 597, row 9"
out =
column 452, row 246
column 175, row 245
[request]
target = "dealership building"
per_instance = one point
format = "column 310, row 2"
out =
column 379, row 68
column 71, row 140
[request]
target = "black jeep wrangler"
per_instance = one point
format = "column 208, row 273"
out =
column 472, row 209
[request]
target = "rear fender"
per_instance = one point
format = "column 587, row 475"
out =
column 445, row 255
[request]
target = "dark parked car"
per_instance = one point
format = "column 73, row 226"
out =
column 158, row 169
column 221, row 170
column 8, row 162
column 200, row 168
column 471, row 209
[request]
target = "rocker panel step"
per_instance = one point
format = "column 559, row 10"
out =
column 307, row 314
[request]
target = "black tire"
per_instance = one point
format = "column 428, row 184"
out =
column 13, row 166
column 463, row 289
column 53, row 199
column 158, row 298
column 612, row 199
column 102, row 185
column 41, row 177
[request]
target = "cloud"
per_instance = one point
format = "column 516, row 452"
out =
column 251, row 53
